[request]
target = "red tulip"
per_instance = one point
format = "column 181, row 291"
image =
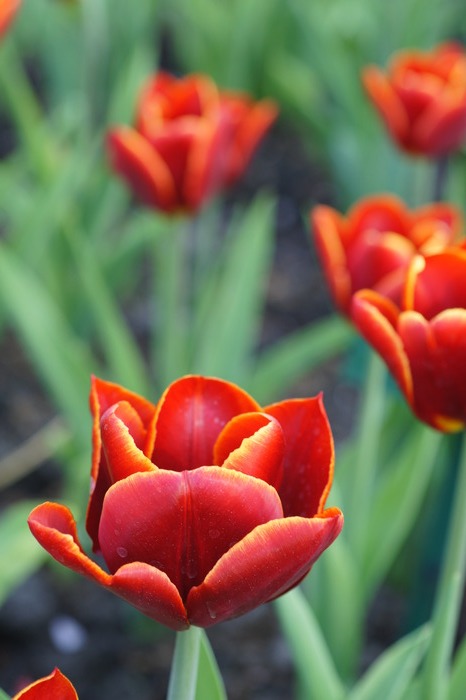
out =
column 422, row 98
column 203, row 506
column 8, row 10
column 424, row 342
column 189, row 142
column 373, row 245
column 53, row 687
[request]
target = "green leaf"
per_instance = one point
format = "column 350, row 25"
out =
column 230, row 307
column 59, row 357
column 19, row 551
column 400, row 491
column 300, row 352
column 391, row 674
column 209, row 681
column 458, row 674
column 3, row 695
column 317, row 674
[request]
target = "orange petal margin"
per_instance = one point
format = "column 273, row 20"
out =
column 141, row 585
column 56, row 686
column 266, row 563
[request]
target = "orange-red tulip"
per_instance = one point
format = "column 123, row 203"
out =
column 190, row 140
column 204, row 505
column 8, row 10
column 53, row 687
column 372, row 246
column 422, row 98
column 424, row 342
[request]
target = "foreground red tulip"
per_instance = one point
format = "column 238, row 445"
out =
column 53, row 687
column 422, row 98
column 203, row 506
column 373, row 245
column 424, row 342
column 190, row 141
column 8, row 10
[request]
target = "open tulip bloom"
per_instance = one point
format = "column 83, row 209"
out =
column 190, row 140
column 204, row 505
column 422, row 98
column 423, row 341
column 53, row 687
column 372, row 246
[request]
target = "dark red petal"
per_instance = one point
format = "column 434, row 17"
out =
column 103, row 395
column 135, row 159
column 436, row 353
column 309, row 455
column 376, row 317
column 252, row 443
column 56, row 686
column 144, row 587
column 266, row 563
column 123, row 456
column 190, row 416
column 182, row 523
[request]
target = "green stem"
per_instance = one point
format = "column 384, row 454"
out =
column 449, row 594
column 21, row 101
column 169, row 340
column 366, row 458
column 183, row 676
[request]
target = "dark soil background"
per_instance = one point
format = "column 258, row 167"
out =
column 102, row 645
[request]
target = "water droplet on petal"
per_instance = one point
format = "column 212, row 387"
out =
column 214, row 534
column 122, row 552
column 211, row 611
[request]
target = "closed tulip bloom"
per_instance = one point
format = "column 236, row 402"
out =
column 189, row 141
column 423, row 342
column 8, row 10
column 372, row 246
column 422, row 98
column 53, row 687
column 204, row 505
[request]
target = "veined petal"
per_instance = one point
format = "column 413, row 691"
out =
column 254, row 444
column 182, row 523
column 267, row 562
column 376, row 318
column 309, row 455
column 190, row 416
column 143, row 586
column 56, row 686
column 134, row 158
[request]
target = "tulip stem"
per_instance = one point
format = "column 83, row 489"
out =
column 440, row 178
column 183, row 676
column 449, row 594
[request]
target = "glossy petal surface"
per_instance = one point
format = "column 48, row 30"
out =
column 265, row 564
column 190, row 416
column 56, row 686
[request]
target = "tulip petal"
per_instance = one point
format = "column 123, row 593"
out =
column 436, row 283
column 103, row 395
column 387, row 102
column 56, row 686
column 436, row 353
column 143, row 585
column 384, row 213
column 254, row 444
column 266, row 563
column 190, row 416
column 328, row 228
column 135, row 159
column 182, row 523
column 309, row 455
column 123, row 457
column 376, row 318
column 442, row 128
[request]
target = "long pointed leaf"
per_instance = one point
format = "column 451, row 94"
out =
column 209, row 681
